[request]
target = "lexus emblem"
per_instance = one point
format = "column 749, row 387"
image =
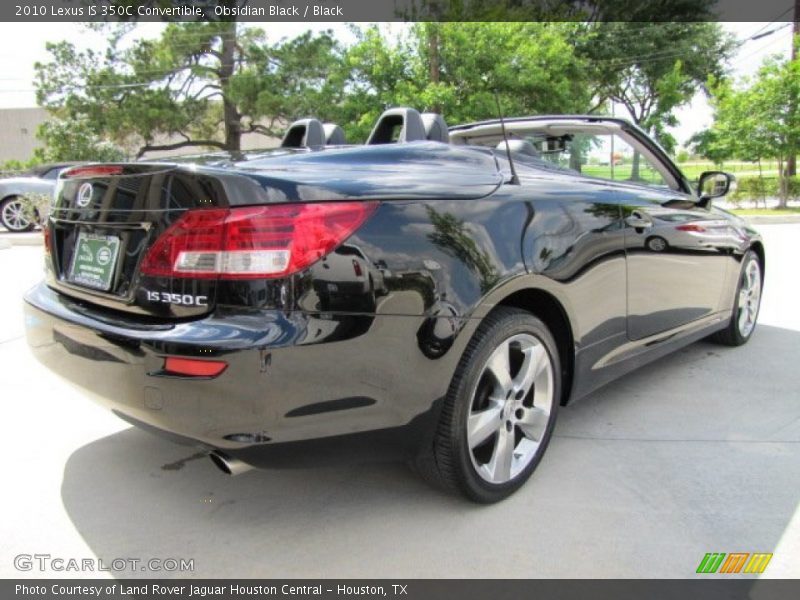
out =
column 84, row 195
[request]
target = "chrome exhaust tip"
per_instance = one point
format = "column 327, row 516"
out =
column 227, row 464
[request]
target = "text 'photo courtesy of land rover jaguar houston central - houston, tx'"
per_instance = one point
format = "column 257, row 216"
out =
column 432, row 295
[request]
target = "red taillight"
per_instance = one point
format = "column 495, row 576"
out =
column 47, row 248
column 253, row 242
column 194, row 368
column 357, row 268
column 691, row 227
column 92, row 171
column 195, row 233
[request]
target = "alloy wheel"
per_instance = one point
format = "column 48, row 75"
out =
column 13, row 216
column 749, row 298
column 511, row 406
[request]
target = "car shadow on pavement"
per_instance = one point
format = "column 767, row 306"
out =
column 695, row 453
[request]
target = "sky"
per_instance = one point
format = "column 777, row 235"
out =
column 23, row 44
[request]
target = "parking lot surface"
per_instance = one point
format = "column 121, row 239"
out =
column 697, row 453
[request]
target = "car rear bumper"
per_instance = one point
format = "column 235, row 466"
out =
column 350, row 381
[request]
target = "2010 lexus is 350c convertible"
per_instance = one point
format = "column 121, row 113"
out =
column 434, row 294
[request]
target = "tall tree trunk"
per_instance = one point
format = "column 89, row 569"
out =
column 231, row 116
column 433, row 51
column 782, row 184
column 576, row 160
column 791, row 161
column 634, row 166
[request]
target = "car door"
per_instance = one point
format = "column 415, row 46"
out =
column 677, row 253
column 676, row 261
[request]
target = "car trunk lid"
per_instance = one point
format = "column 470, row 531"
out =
column 130, row 237
column 103, row 221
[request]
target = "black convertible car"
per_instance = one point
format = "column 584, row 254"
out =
column 434, row 294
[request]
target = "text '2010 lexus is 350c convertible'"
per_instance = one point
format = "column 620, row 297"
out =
column 433, row 295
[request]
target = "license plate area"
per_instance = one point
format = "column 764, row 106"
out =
column 94, row 260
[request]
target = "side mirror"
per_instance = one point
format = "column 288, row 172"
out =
column 714, row 184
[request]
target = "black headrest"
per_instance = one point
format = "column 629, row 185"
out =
column 334, row 135
column 435, row 128
column 305, row 133
column 518, row 147
column 407, row 120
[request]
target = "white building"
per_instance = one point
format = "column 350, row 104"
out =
column 18, row 132
column 18, row 136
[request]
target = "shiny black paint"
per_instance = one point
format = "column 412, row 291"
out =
column 328, row 353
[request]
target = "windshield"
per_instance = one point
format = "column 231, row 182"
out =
column 601, row 154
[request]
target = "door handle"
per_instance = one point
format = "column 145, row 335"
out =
column 638, row 221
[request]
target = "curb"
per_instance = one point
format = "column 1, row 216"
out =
column 33, row 238
column 771, row 220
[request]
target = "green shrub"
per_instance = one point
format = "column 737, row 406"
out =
column 757, row 188
column 13, row 168
column 37, row 206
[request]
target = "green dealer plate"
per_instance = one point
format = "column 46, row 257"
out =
column 93, row 261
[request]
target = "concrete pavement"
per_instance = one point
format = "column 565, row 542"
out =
column 697, row 453
column 28, row 238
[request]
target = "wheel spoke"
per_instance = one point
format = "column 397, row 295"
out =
column 484, row 423
column 535, row 362
column 755, row 291
column 743, row 297
column 533, row 423
column 751, row 277
column 499, row 466
column 500, row 368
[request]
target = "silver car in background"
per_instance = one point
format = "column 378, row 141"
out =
column 671, row 229
column 20, row 196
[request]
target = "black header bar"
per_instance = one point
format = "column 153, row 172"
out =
column 734, row 588
column 395, row 10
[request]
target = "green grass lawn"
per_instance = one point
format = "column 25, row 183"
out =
column 745, row 212
column 621, row 172
column 692, row 170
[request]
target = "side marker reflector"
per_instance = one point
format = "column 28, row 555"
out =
column 194, row 368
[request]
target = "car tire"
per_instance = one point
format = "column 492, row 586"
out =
column 11, row 216
column 656, row 243
column 500, row 409
column 746, row 305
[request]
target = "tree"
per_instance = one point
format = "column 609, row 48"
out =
column 708, row 145
column 653, row 68
column 73, row 140
column 454, row 68
column 559, row 10
column 791, row 161
column 760, row 118
column 205, row 83
column 457, row 68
